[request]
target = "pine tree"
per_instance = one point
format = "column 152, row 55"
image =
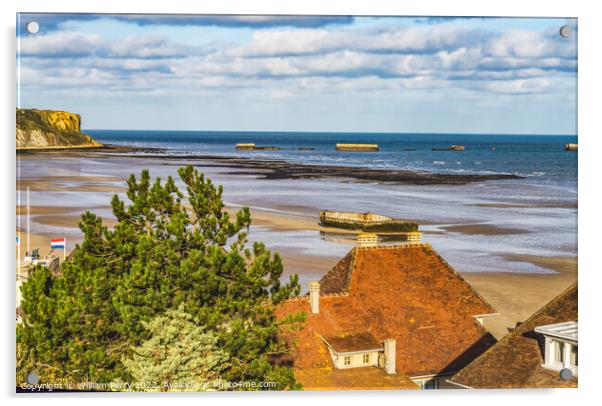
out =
column 167, row 249
column 179, row 355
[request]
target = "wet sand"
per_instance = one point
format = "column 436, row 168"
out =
column 280, row 169
column 73, row 183
column 284, row 222
column 560, row 264
column 35, row 210
column 69, row 221
column 515, row 296
column 528, row 206
column 483, row 229
column 70, row 216
column 310, row 267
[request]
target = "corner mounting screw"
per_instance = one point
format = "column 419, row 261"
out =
column 565, row 31
column 566, row 374
column 32, row 378
column 32, row 27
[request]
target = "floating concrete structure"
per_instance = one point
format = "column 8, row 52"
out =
column 253, row 147
column 248, row 146
column 368, row 222
column 450, row 148
column 571, row 147
column 357, row 147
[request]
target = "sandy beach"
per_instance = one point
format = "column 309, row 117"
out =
column 514, row 295
column 517, row 296
column 483, row 229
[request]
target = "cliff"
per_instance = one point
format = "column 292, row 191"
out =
column 41, row 129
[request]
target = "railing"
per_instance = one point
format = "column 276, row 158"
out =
column 322, row 295
column 365, row 221
column 350, row 216
column 392, row 246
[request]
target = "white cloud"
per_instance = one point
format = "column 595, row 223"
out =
column 79, row 45
column 288, row 42
column 529, row 44
column 520, row 86
column 60, row 44
column 291, row 61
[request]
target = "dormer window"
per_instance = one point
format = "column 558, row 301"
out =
column 561, row 346
column 354, row 350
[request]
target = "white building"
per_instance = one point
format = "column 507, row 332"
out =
column 560, row 346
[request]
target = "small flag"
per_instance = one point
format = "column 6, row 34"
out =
column 57, row 243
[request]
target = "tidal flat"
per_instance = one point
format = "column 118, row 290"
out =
column 517, row 255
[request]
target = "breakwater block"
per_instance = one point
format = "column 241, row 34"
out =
column 357, row 147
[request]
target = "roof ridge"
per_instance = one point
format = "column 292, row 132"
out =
column 336, row 294
column 396, row 246
column 550, row 302
column 339, row 276
column 306, row 296
column 352, row 268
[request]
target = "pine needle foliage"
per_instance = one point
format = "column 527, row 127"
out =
column 180, row 355
column 169, row 250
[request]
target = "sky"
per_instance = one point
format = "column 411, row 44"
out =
column 302, row 73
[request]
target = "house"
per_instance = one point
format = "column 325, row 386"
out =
column 387, row 317
column 532, row 354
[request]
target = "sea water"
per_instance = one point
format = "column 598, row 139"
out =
column 538, row 211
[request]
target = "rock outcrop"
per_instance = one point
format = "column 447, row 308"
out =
column 43, row 129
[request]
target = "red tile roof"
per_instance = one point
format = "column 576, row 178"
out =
column 363, row 378
column 515, row 361
column 408, row 293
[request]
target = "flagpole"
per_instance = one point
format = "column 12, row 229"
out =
column 28, row 212
column 19, row 225
column 19, row 258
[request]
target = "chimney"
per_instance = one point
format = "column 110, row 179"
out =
column 314, row 297
column 414, row 237
column 367, row 240
column 390, row 356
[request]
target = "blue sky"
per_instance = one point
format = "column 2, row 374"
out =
column 278, row 73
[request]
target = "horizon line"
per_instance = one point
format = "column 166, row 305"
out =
column 340, row 132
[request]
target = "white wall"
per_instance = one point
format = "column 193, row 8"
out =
column 357, row 360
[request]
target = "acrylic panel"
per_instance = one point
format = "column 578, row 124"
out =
column 237, row 202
